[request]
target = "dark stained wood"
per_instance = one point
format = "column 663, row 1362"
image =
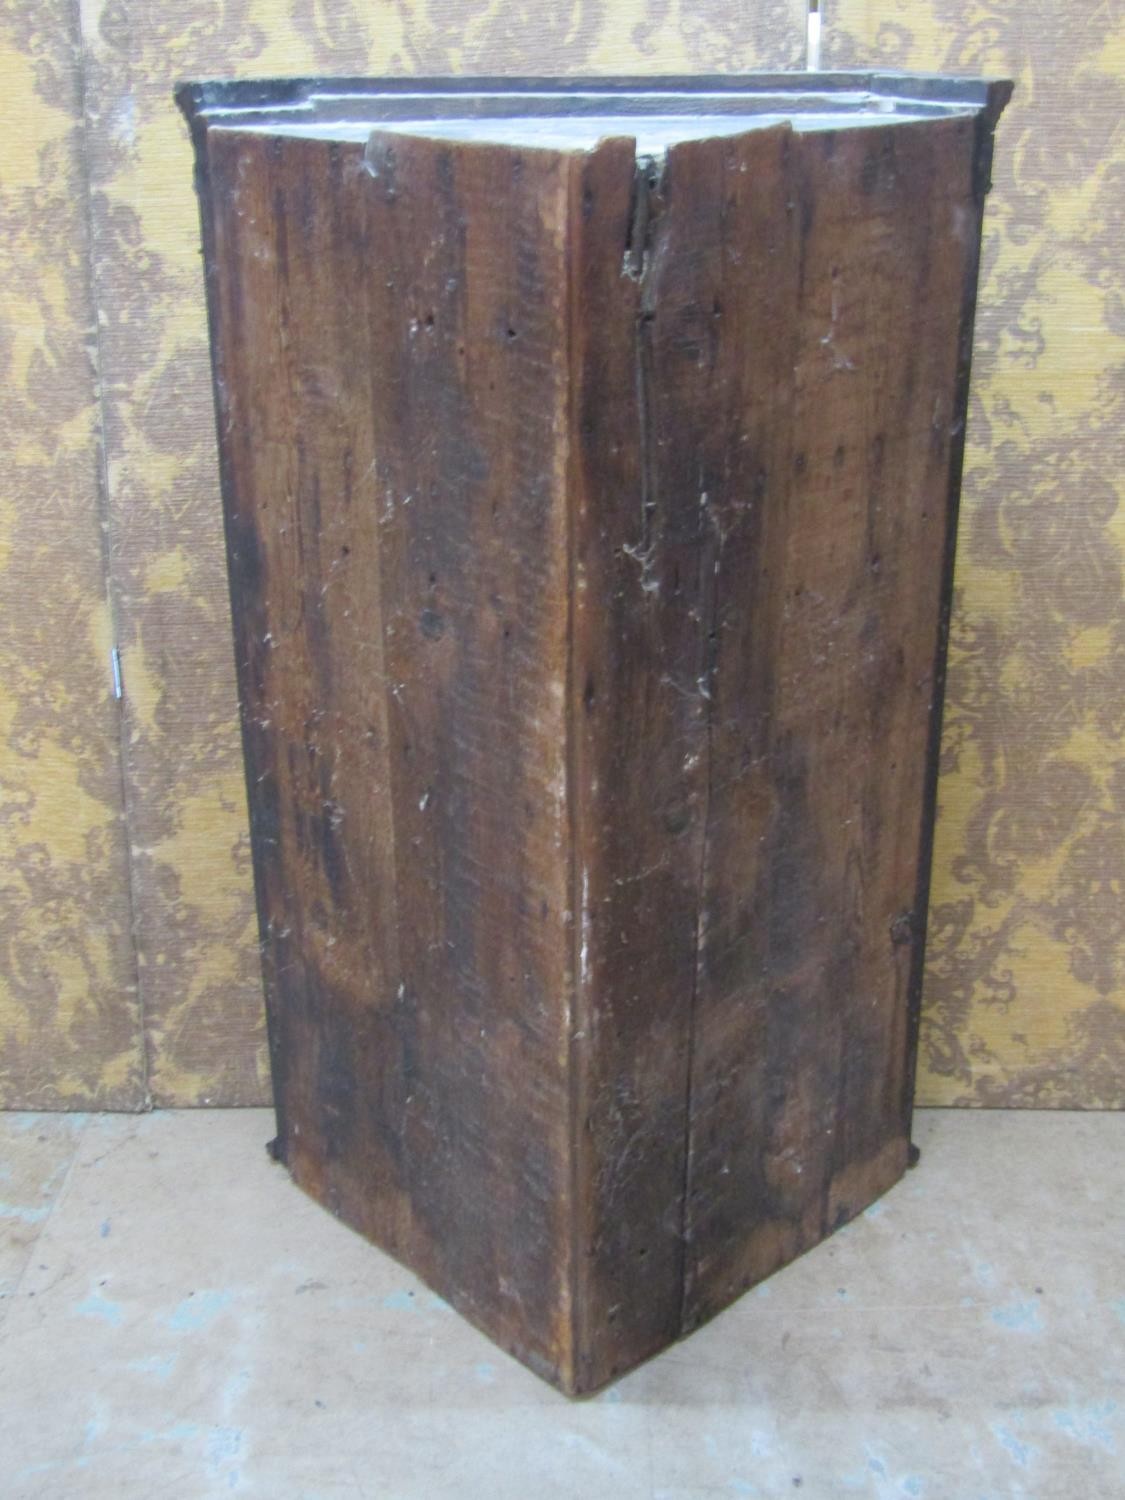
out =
column 590, row 528
column 301, row 518
column 468, row 324
column 833, row 524
column 639, row 720
column 392, row 367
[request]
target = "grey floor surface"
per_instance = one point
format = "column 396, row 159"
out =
column 177, row 1320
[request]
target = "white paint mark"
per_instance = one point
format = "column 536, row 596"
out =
column 812, row 38
column 584, row 946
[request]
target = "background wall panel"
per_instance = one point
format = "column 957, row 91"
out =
column 69, row 1020
column 195, row 923
column 1025, row 995
column 1025, row 984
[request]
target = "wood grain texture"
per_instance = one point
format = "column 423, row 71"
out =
column 392, row 367
column 590, row 525
column 640, row 768
column 758, row 657
column 832, row 519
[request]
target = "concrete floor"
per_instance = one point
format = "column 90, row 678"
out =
column 177, row 1320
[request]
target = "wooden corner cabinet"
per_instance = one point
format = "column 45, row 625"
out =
column 590, row 455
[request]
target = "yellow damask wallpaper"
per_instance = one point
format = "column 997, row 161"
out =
column 195, row 922
column 1025, row 997
column 1025, row 983
column 69, row 1024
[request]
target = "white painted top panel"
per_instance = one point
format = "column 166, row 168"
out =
column 653, row 131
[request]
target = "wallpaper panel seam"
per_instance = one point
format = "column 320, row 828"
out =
column 145, row 1101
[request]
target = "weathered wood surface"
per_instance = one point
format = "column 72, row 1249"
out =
column 590, row 530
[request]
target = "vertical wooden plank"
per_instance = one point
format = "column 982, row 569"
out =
column 468, row 300
column 726, row 382
column 293, row 372
column 830, row 582
column 70, row 1032
column 638, row 712
column 395, row 443
column 653, row 449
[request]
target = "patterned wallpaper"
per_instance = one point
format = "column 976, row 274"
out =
column 195, row 922
column 1025, row 987
column 1025, row 983
column 69, row 1026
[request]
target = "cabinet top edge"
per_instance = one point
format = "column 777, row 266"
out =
column 317, row 104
